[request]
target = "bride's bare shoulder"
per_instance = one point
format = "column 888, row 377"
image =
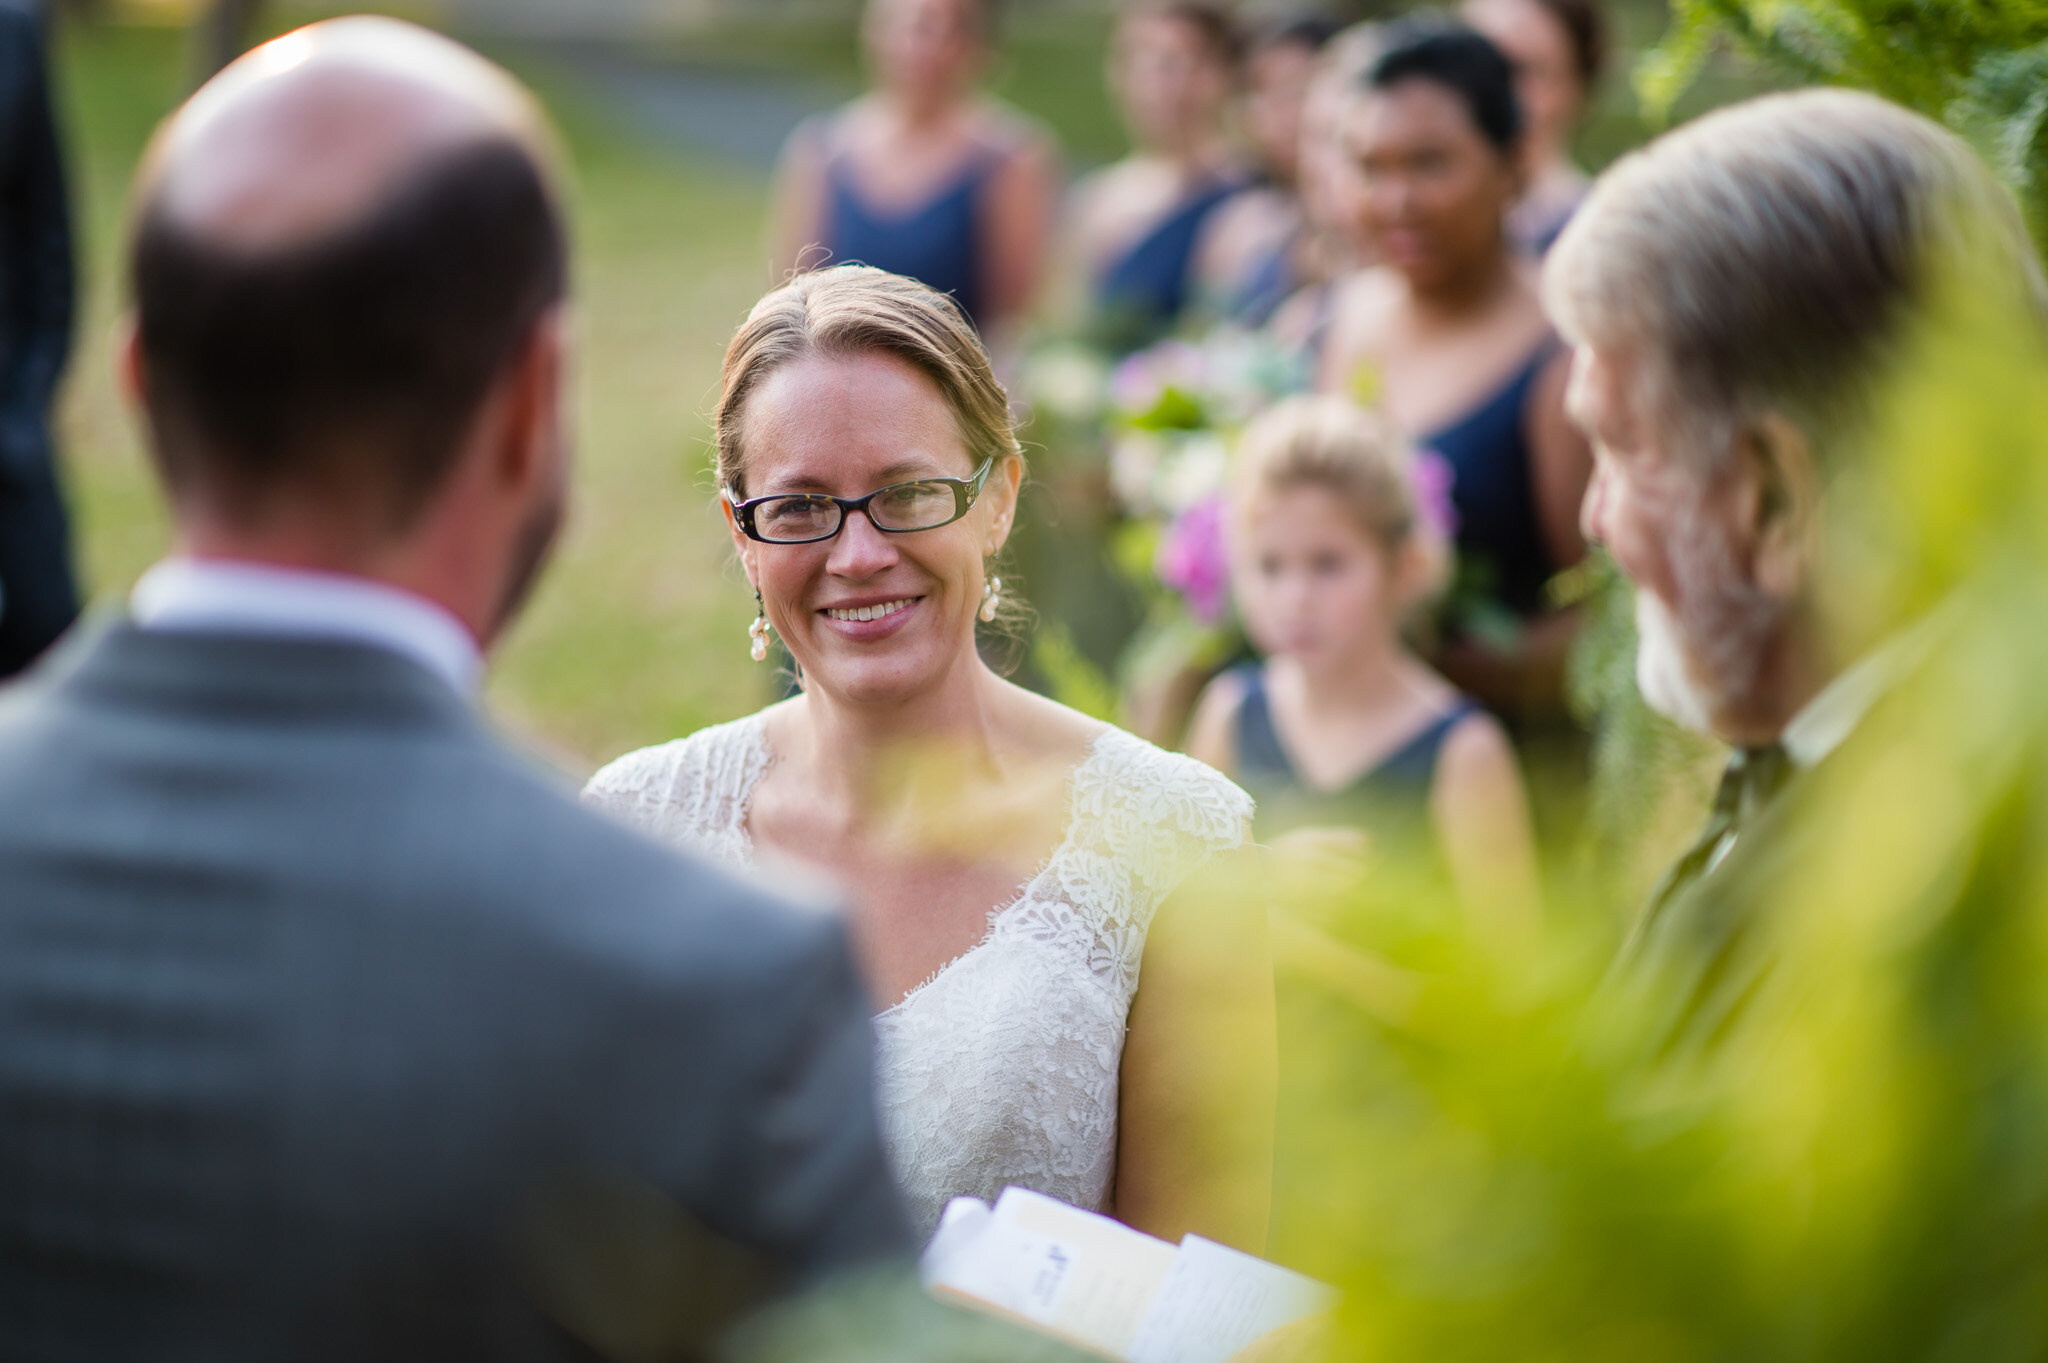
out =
column 1047, row 729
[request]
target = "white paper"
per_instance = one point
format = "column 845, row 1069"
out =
column 1216, row 1301
column 1075, row 1274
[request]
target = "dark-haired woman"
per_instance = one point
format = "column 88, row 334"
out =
column 1172, row 68
column 924, row 176
column 1556, row 48
column 1447, row 334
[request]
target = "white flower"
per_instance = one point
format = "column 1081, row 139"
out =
column 1069, row 381
column 1197, row 469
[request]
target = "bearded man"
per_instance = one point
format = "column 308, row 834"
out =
column 1745, row 297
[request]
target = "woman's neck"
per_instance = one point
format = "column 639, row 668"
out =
column 1467, row 293
column 1196, row 153
column 920, row 113
column 871, row 760
column 1371, row 678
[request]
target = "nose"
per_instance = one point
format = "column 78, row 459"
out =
column 860, row 550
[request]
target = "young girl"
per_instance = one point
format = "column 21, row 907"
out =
column 1342, row 726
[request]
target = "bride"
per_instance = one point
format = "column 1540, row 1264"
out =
column 1064, row 1013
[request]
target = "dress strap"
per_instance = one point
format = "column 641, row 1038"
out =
column 1414, row 762
column 1259, row 753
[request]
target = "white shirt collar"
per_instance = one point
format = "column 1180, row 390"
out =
column 1830, row 717
column 219, row 596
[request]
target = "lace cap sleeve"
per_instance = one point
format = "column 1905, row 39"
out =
column 1144, row 821
column 690, row 793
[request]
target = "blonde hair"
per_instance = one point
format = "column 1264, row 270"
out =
column 1329, row 442
column 1768, row 256
column 852, row 310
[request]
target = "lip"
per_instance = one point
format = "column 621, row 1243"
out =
column 866, row 631
column 1404, row 245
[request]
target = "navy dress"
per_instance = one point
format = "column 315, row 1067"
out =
column 937, row 242
column 1391, row 800
column 1501, row 554
column 1140, row 294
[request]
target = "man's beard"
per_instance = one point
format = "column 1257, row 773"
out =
column 529, row 556
column 1662, row 676
column 1699, row 661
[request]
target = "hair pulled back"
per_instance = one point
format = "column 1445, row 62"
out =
column 850, row 310
column 1456, row 58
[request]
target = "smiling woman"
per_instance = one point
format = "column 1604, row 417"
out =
column 1011, row 867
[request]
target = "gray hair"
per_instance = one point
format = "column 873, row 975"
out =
column 1770, row 257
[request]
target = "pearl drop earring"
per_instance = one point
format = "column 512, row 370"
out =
column 757, row 633
column 991, row 597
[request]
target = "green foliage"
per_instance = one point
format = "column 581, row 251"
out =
column 1069, row 677
column 1980, row 66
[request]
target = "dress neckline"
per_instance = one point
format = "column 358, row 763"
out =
column 761, row 757
column 1510, row 388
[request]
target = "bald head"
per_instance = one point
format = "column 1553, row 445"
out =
column 340, row 242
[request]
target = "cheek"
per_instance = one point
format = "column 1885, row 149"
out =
column 1639, row 540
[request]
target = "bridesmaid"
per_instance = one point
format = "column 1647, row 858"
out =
column 1447, row 334
column 925, row 176
column 1557, row 48
column 1247, row 256
column 1172, row 68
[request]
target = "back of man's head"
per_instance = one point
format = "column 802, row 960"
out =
column 340, row 244
column 1769, row 257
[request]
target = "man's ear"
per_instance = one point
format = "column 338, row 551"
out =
column 131, row 371
column 537, row 423
column 1779, row 502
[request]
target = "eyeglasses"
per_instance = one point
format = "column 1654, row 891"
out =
column 898, row 509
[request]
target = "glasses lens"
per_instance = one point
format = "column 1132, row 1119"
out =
column 914, row 506
column 796, row 518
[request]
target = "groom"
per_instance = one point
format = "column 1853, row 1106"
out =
column 329, row 1027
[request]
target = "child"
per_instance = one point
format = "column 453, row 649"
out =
column 1342, row 726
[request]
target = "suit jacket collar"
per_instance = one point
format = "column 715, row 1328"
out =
column 108, row 658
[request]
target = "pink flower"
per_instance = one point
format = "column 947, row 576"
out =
column 1192, row 560
column 1433, row 477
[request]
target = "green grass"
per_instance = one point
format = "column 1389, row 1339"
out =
column 638, row 634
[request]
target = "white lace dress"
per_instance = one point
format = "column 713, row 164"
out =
column 1002, row 1067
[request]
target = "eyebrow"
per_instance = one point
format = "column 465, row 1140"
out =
column 902, row 471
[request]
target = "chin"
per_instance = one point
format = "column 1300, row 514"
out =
column 1663, row 674
column 876, row 675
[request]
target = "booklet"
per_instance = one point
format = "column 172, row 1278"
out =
column 1101, row 1286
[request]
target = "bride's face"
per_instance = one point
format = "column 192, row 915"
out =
column 846, row 426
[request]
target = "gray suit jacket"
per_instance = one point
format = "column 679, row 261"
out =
column 330, row 1028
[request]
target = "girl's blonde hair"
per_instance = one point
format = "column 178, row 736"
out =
column 1330, row 442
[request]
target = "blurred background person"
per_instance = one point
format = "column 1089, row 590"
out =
column 1245, row 259
column 1558, row 49
column 1329, row 247
column 1446, row 334
column 38, row 593
column 1332, row 551
column 1134, row 225
column 925, row 176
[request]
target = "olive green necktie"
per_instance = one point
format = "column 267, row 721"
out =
column 1753, row 776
